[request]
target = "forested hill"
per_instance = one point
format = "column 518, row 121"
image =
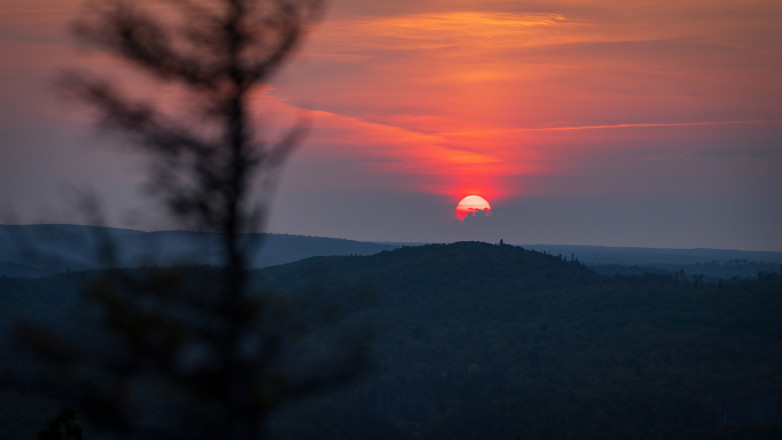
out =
column 464, row 265
column 474, row 341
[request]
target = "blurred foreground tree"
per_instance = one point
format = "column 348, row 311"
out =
column 194, row 353
column 63, row 427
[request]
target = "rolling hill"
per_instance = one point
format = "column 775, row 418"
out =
column 483, row 341
column 38, row 250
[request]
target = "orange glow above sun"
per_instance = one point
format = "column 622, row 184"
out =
column 510, row 103
column 502, row 100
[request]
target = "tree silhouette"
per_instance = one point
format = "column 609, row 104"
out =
column 63, row 427
column 199, row 352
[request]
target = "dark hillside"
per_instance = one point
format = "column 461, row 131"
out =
column 476, row 341
column 465, row 266
column 479, row 341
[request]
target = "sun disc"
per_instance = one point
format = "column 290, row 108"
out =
column 472, row 206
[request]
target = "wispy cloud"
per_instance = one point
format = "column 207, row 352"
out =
column 616, row 126
column 468, row 94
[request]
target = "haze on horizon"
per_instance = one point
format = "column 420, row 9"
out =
column 656, row 123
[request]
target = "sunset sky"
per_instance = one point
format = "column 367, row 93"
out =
column 604, row 122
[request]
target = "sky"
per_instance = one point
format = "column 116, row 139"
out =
column 593, row 122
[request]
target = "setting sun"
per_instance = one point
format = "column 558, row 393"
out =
column 471, row 205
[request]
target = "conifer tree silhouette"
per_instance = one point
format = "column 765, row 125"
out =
column 194, row 353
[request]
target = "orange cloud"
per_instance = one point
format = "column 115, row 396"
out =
column 498, row 98
column 505, row 96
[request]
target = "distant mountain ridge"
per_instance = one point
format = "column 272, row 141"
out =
column 36, row 250
column 594, row 255
column 714, row 264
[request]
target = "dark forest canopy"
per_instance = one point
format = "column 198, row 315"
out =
column 474, row 340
